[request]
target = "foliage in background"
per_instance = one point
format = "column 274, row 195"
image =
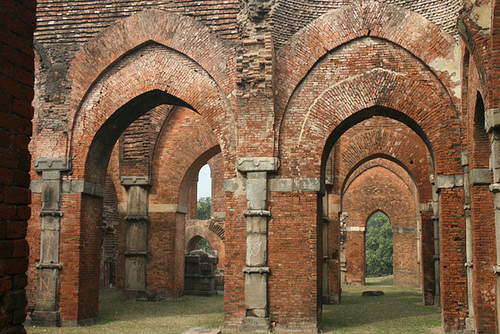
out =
column 204, row 246
column 379, row 244
column 204, row 208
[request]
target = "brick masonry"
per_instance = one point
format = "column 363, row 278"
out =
column 156, row 89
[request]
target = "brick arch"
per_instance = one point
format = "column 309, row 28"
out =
column 428, row 43
column 155, row 75
column 197, row 231
column 377, row 92
column 407, row 151
column 376, row 160
column 378, row 188
column 174, row 31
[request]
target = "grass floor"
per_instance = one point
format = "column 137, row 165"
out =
column 398, row 311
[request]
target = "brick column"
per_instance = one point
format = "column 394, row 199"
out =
column 47, row 291
column 257, row 216
column 136, row 236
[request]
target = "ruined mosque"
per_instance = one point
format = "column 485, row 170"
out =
column 313, row 115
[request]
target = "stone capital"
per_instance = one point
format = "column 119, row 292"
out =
column 492, row 119
column 135, row 181
column 257, row 164
column 52, row 164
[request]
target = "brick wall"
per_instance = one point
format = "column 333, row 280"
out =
column 16, row 112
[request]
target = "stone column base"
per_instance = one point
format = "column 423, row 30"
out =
column 45, row 319
column 254, row 324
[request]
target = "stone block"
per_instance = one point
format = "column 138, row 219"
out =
column 480, row 176
column 281, row 185
column 256, row 250
column 231, row 185
column 135, row 273
column 309, row 184
column 255, row 291
column 257, row 224
column 257, row 194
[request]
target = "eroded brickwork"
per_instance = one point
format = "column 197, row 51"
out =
column 273, row 86
column 16, row 112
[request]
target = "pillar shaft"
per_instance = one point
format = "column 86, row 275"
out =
column 47, row 291
column 136, row 237
column 256, row 270
column 469, row 321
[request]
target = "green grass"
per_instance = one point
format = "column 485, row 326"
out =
column 149, row 317
column 399, row 311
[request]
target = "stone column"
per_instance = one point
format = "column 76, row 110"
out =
column 256, row 270
column 136, row 236
column 47, row 291
column 326, row 255
column 469, row 321
column 492, row 126
column 343, row 239
column 435, row 224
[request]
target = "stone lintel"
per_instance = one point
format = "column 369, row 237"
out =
column 495, row 187
column 256, row 270
column 496, row 270
column 249, row 213
column 492, row 119
column 52, row 164
column 49, row 266
column 128, row 181
column 72, row 187
column 132, row 253
column 355, row 228
column 281, row 185
column 404, row 230
column 163, row 208
column 84, row 187
column 309, row 184
column 449, row 181
column 52, row 213
column 426, row 207
column 480, row 176
column 257, row 164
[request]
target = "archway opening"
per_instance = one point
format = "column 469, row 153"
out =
column 379, row 267
column 204, row 194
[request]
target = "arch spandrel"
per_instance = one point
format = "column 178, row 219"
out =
column 380, row 93
column 426, row 42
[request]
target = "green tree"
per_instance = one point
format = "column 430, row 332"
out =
column 379, row 245
column 204, row 208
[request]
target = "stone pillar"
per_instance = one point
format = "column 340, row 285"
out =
column 435, row 224
column 343, row 239
column 326, row 256
column 136, row 236
column 256, row 270
column 470, row 320
column 492, row 126
column 47, row 290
